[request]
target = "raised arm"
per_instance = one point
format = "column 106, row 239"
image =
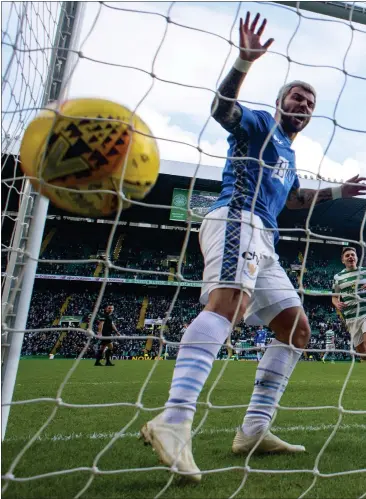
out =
column 228, row 112
column 303, row 198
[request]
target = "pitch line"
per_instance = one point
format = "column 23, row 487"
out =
column 60, row 437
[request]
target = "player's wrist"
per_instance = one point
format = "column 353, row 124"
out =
column 242, row 65
column 337, row 192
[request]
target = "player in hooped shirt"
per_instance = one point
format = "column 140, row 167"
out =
column 242, row 275
column 260, row 342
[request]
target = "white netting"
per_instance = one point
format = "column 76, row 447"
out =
column 29, row 29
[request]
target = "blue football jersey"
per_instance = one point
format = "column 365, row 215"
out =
column 260, row 336
column 240, row 176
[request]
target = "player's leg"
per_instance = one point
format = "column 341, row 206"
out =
column 223, row 245
column 358, row 335
column 100, row 353
column 333, row 354
column 170, row 432
column 199, row 347
column 288, row 321
column 361, row 348
column 259, row 352
column 108, row 354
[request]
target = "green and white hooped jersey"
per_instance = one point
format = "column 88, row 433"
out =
column 329, row 337
column 345, row 284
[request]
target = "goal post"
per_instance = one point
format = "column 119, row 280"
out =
column 29, row 226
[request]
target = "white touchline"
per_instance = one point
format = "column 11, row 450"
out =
column 211, row 431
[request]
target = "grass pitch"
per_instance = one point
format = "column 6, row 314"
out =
column 75, row 436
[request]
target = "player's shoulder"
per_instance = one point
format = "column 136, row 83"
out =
column 340, row 273
column 263, row 118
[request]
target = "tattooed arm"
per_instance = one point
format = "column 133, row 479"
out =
column 303, row 198
column 228, row 113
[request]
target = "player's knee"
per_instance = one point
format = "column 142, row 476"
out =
column 283, row 325
column 302, row 333
column 230, row 303
column 361, row 348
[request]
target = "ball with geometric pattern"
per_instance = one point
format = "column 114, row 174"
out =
column 81, row 153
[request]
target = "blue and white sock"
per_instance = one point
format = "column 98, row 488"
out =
column 194, row 364
column 273, row 373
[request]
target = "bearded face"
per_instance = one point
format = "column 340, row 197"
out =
column 297, row 101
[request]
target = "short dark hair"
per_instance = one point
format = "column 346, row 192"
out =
column 348, row 248
column 286, row 89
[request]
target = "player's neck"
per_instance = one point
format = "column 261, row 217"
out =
column 351, row 268
column 291, row 135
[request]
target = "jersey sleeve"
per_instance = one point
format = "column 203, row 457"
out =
column 296, row 184
column 335, row 287
column 252, row 122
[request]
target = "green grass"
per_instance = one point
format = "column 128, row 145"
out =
column 312, row 384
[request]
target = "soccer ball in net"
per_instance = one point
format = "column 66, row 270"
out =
column 88, row 145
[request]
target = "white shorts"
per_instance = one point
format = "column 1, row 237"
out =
column 260, row 345
column 240, row 256
column 330, row 346
column 357, row 328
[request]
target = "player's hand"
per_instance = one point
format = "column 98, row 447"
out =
column 251, row 40
column 340, row 306
column 349, row 191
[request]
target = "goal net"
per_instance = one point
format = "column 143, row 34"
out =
column 72, row 431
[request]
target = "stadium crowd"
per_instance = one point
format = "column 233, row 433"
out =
column 134, row 253
column 45, row 313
